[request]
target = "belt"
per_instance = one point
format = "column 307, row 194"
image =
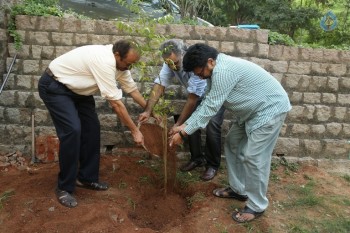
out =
column 49, row 72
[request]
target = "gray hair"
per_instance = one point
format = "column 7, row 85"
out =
column 172, row 46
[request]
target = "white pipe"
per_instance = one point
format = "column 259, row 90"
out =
column 33, row 140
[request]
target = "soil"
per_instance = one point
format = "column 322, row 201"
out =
column 138, row 202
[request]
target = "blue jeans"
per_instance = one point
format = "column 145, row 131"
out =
column 78, row 129
column 212, row 149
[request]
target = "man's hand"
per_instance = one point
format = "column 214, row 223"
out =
column 175, row 140
column 138, row 137
column 143, row 117
column 174, row 130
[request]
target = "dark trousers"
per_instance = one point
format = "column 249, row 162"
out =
column 78, row 130
column 212, row 149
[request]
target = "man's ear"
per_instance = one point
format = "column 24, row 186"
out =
column 211, row 63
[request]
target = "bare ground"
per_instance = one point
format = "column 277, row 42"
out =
column 137, row 202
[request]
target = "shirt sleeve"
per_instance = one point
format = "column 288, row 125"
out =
column 104, row 73
column 165, row 76
column 222, row 83
column 196, row 85
column 126, row 82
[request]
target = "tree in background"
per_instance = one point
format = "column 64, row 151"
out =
column 298, row 19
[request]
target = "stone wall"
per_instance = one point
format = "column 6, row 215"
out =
column 317, row 81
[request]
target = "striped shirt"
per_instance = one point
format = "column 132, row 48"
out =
column 246, row 89
column 192, row 82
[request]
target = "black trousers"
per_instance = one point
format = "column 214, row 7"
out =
column 212, row 149
column 78, row 129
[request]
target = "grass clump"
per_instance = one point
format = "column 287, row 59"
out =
column 5, row 196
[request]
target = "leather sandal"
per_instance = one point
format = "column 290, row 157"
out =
column 229, row 193
column 245, row 210
column 99, row 186
column 65, row 198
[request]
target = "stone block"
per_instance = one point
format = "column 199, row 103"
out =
column 62, row 38
column 275, row 52
column 318, row 130
column 87, row 26
column 8, row 98
column 329, row 98
column 316, row 55
column 344, row 99
column 323, row 113
column 334, row 129
column 39, row 38
column 49, row 24
column 312, row 98
column 182, row 31
column 337, row 70
column 331, row 55
column 345, row 56
column 81, row 39
column 296, row 97
column 227, row 47
column 70, row 25
column 287, row 146
column 340, row 113
column 31, row 67
column 100, row 39
column 290, row 53
column 346, row 130
column 263, row 50
column 243, row 48
column 335, row 149
column 24, row 82
column 318, row 83
column 299, row 68
column 301, row 130
column 319, row 69
column 313, row 147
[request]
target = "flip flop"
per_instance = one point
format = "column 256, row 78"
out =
column 65, row 198
column 246, row 210
column 229, row 193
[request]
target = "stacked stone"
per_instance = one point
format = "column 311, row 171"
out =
column 15, row 159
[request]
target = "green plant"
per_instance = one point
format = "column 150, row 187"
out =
column 6, row 195
column 132, row 203
column 31, row 7
column 146, row 28
column 276, row 38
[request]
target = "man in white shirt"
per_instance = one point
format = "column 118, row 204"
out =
column 67, row 87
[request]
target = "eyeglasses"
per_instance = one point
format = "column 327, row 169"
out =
column 172, row 64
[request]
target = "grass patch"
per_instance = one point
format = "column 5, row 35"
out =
column 307, row 225
column 304, row 195
column 5, row 196
column 346, row 177
column 199, row 196
column 185, row 178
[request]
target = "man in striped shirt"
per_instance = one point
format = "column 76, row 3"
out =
column 259, row 105
column 172, row 53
